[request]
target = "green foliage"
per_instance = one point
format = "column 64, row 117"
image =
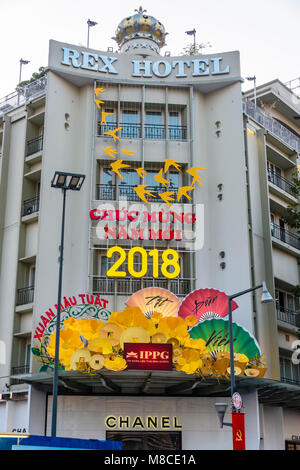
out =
column 292, row 216
column 194, row 49
column 34, row 76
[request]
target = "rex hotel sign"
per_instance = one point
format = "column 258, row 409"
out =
column 144, row 356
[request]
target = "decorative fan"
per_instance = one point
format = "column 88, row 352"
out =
column 205, row 304
column 215, row 333
column 155, row 299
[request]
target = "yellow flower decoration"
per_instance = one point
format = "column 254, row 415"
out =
column 134, row 334
column 191, row 321
column 115, row 363
column 88, row 328
column 132, row 316
column 100, row 345
column 70, row 339
column 173, row 327
column 189, row 362
column 156, row 317
column 198, row 344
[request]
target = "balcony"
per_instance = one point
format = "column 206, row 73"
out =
column 25, row 295
column 31, row 205
column 285, row 236
column 34, row 145
column 126, row 286
column 20, row 370
column 152, row 131
column 288, row 316
column 290, row 381
column 282, row 183
column 273, row 126
column 114, row 193
column 24, row 94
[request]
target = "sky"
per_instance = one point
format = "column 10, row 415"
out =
column 266, row 32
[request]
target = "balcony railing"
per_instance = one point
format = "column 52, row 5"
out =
column 31, row 205
column 34, row 145
column 272, row 125
column 112, row 193
column 152, row 131
column 290, row 381
column 104, row 285
column 285, row 236
column 288, row 316
column 25, row 295
column 23, row 94
column 282, row 183
column 20, row 370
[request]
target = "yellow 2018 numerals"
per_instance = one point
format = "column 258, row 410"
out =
column 170, row 267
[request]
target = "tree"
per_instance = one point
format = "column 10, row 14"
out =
column 34, row 76
column 193, row 49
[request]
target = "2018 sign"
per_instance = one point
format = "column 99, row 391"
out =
column 169, row 257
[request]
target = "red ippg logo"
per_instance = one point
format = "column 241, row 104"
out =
column 143, row 356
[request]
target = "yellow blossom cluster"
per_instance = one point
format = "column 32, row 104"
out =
column 90, row 344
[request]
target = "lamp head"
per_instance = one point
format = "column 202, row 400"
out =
column 221, row 410
column 266, row 297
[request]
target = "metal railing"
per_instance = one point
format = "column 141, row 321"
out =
column 285, row 236
column 112, row 192
column 20, row 369
column 34, row 145
column 104, row 285
column 25, row 295
column 287, row 316
column 271, row 125
column 31, row 205
column 23, row 94
column 282, row 183
column 290, row 381
column 152, row 131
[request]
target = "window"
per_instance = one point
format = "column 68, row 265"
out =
column 126, row 185
column 154, row 128
column 174, row 129
column 130, row 124
column 172, row 177
column 106, row 189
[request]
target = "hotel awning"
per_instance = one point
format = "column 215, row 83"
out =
column 163, row 383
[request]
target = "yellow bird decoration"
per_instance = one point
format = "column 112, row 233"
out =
column 98, row 103
column 167, row 197
column 169, row 162
column 104, row 116
column 141, row 191
column 129, row 153
column 141, row 172
column 113, row 133
column 193, row 172
column 118, row 165
column 110, row 152
column 182, row 191
column 159, row 179
column 99, row 90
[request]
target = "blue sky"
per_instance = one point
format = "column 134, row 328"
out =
column 266, row 32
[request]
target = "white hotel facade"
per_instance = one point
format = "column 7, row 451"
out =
column 190, row 109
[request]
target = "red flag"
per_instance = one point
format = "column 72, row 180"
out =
column 238, row 431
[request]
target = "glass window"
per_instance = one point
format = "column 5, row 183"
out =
column 153, row 126
column 174, row 130
column 172, row 177
column 130, row 124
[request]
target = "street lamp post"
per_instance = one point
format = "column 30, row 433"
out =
column 22, row 62
column 253, row 79
column 265, row 298
column 90, row 23
column 192, row 32
column 64, row 181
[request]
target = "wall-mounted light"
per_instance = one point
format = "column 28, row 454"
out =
column 167, row 54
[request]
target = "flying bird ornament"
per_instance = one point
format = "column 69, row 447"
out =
column 159, row 179
column 104, row 116
column 194, row 173
column 167, row 197
column 141, row 172
column 98, row 103
column 112, row 133
column 118, row 165
column 110, row 152
column 141, row 191
column 182, row 191
column 169, row 162
column 99, row 90
column 129, row 153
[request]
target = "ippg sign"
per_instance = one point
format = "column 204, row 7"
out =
column 145, row 68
